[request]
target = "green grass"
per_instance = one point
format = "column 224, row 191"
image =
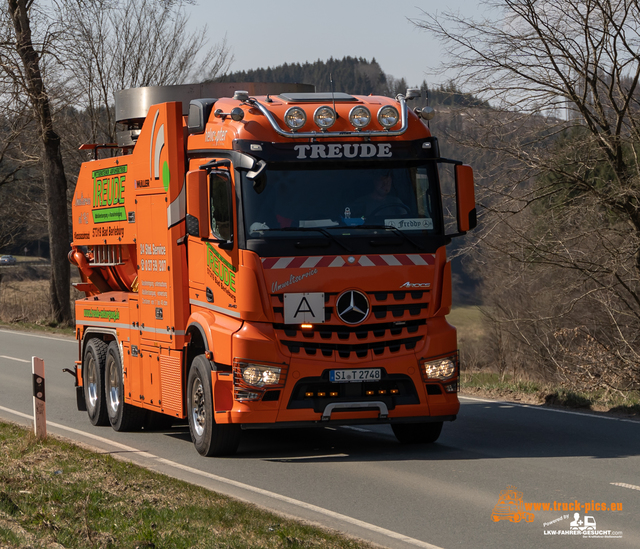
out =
column 627, row 403
column 52, row 491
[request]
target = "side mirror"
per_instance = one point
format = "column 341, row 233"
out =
column 259, row 176
column 197, row 202
column 466, row 199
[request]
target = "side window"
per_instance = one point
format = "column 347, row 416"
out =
column 221, row 206
column 423, row 193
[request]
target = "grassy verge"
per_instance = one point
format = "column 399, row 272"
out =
column 489, row 384
column 55, row 494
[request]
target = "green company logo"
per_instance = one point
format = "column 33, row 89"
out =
column 102, row 313
column 224, row 272
column 108, row 194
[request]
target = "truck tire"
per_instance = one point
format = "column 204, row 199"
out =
column 209, row 438
column 417, row 433
column 93, row 381
column 122, row 416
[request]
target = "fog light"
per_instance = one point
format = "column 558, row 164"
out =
column 246, row 395
column 295, row 118
column 324, row 117
column 388, row 116
column 360, row 117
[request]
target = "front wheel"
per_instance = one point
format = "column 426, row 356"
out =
column 417, row 433
column 209, row 438
column 122, row 416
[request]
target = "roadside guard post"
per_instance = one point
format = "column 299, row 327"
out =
column 39, row 406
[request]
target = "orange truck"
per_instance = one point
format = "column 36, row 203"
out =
column 268, row 258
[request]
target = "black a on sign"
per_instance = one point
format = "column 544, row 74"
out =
column 304, row 308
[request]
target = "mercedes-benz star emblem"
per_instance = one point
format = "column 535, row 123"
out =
column 352, row 307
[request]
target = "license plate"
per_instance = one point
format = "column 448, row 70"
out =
column 355, row 375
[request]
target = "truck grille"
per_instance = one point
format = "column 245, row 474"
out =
column 396, row 324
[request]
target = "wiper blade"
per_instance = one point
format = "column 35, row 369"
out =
column 316, row 229
column 395, row 230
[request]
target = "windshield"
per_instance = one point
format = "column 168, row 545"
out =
column 297, row 199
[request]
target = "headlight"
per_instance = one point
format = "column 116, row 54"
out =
column 360, row 117
column 388, row 116
column 295, row 118
column 444, row 368
column 260, row 375
column 324, row 117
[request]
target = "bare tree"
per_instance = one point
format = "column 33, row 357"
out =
column 564, row 201
column 22, row 62
column 59, row 69
column 113, row 45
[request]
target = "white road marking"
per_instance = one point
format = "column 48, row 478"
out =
column 625, row 485
column 291, row 501
column 66, row 339
column 303, row 458
column 304, row 505
column 16, row 359
column 544, row 409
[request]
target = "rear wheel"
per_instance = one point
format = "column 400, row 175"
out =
column 122, row 416
column 209, row 438
column 417, row 433
column 93, row 381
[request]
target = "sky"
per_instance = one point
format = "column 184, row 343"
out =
column 268, row 33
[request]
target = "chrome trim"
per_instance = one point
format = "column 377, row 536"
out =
column 384, row 411
column 404, row 118
column 101, row 324
column 177, row 210
column 215, row 308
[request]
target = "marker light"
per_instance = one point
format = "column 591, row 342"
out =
column 360, row 117
column 388, row 116
column 444, row 368
column 295, row 118
column 324, row 117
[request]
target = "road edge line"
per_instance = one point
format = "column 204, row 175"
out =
column 291, row 501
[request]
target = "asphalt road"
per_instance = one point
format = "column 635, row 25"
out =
column 362, row 482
